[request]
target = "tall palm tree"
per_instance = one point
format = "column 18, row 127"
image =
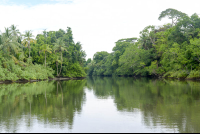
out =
column 45, row 48
column 60, row 47
column 14, row 30
column 9, row 44
column 16, row 33
column 28, row 40
column 56, row 60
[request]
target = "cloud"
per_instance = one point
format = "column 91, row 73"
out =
column 4, row 1
column 97, row 24
column 62, row 0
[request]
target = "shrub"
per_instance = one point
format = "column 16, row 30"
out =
column 75, row 70
column 31, row 72
column 194, row 74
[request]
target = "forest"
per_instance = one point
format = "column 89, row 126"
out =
column 171, row 50
column 48, row 55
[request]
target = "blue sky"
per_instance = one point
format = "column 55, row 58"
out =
column 33, row 2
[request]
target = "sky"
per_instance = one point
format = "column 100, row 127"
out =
column 97, row 24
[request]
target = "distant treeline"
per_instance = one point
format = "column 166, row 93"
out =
column 171, row 50
column 50, row 54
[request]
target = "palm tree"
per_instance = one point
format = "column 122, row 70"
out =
column 16, row 33
column 56, row 60
column 9, row 42
column 60, row 47
column 14, row 30
column 28, row 40
column 45, row 48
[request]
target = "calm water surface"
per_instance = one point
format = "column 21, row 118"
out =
column 101, row 105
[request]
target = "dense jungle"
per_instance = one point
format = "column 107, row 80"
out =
column 171, row 50
column 50, row 54
column 137, row 101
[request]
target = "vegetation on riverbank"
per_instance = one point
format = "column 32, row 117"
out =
column 171, row 50
column 50, row 54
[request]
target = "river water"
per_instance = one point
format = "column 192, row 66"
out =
column 101, row 104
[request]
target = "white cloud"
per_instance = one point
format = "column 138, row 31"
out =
column 97, row 24
column 3, row 1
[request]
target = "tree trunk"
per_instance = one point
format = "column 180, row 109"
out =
column 152, row 41
column 57, row 67
column 61, row 63
column 45, row 59
column 29, row 52
column 29, row 47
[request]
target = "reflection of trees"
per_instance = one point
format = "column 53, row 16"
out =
column 102, row 86
column 52, row 104
column 174, row 104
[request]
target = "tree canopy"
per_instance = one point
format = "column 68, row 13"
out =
column 53, row 53
column 171, row 50
column 172, row 14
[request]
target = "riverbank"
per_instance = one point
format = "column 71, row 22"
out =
column 50, row 79
column 156, row 76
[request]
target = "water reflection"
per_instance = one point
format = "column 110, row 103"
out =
column 52, row 103
column 170, row 103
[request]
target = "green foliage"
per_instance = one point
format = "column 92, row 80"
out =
column 173, row 14
column 99, row 56
column 194, row 74
column 30, row 72
column 171, row 50
column 75, row 70
column 37, row 72
column 154, row 69
column 23, row 59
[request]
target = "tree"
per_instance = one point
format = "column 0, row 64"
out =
column 60, row 47
column 56, row 60
column 28, row 40
column 131, row 40
column 190, row 26
column 173, row 14
column 14, row 30
column 134, row 61
column 88, row 62
column 45, row 48
column 16, row 33
column 9, row 43
column 68, row 38
column 60, row 33
column 98, row 56
column 195, row 43
column 148, row 37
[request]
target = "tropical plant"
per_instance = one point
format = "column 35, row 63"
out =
column 9, row 43
column 28, row 39
column 45, row 48
column 60, row 47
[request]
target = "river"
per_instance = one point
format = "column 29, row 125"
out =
column 101, row 104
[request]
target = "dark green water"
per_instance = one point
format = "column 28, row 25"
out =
column 101, row 105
